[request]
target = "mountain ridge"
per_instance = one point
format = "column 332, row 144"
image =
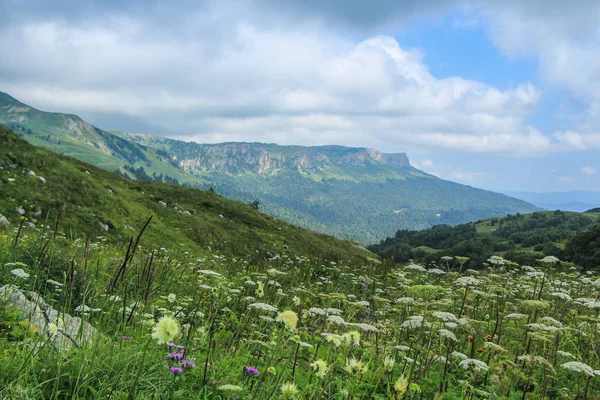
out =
column 352, row 193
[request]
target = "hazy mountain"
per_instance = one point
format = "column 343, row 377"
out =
column 353, row 193
column 574, row 200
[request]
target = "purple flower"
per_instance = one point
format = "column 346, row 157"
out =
column 126, row 338
column 180, row 347
column 251, row 370
column 171, row 345
column 176, row 370
column 175, row 356
column 189, row 364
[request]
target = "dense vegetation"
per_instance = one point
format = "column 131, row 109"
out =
column 521, row 238
column 171, row 325
column 84, row 200
column 352, row 193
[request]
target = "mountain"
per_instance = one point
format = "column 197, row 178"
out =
column 55, row 190
column 70, row 135
column 573, row 200
column 570, row 236
column 352, row 193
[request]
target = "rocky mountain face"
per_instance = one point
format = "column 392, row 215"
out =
column 352, row 193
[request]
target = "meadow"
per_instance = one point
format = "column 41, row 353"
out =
column 172, row 325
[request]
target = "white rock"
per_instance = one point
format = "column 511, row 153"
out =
column 37, row 213
column 221, row 216
column 3, row 221
column 87, row 172
column 103, row 226
column 20, row 211
column 31, row 173
column 162, row 203
column 72, row 331
column 42, row 179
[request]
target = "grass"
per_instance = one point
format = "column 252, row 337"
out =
column 329, row 324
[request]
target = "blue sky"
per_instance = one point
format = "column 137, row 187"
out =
column 499, row 95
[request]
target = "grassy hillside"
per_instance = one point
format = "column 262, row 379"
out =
column 521, row 238
column 68, row 134
column 352, row 193
column 86, row 200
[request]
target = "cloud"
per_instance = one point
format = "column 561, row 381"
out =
column 467, row 176
column 309, row 72
column 589, row 170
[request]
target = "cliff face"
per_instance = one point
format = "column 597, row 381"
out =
column 261, row 158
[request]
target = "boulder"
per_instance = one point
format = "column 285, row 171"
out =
column 20, row 211
column 63, row 330
column 103, row 226
column 3, row 221
column 42, row 179
column 162, row 203
column 31, row 173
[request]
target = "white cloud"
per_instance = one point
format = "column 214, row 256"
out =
column 221, row 73
column 589, row 170
column 467, row 176
column 294, row 84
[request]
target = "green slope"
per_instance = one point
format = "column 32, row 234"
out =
column 85, row 197
column 352, row 193
column 570, row 236
column 68, row 134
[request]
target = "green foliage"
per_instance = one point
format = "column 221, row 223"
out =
column 351, row 193
column 82, row 201
column 520, row 238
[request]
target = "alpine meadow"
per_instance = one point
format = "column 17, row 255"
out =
column 317, row 200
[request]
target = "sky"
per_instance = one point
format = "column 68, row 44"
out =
column 499, row 95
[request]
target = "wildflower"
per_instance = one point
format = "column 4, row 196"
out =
column 401, row 386
column 251, row 370
column 289, row 318
column 476, row 365
column 20, row 273
column 352, row 338
column 320, row 367
column 166, row 329
column 126, row 338
column 355, row 367
column 289, row 390
column 515, row 316
column 578, row 367
column 388, row 363
column 332, row 338
column 444, row 316
column 175, row 356
column 171, row 298
column 230, row 388
column 446, row 334
column 176, row 370
column 263, row 307
column 188, row 364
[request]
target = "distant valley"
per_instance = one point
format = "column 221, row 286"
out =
column 352, row 193
column 573, row 200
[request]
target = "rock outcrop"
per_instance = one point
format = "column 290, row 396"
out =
column 63, row 330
